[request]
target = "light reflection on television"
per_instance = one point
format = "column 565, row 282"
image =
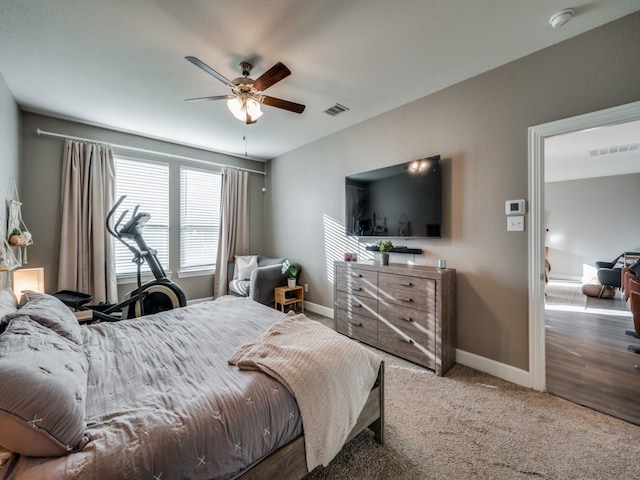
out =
column 398, row 201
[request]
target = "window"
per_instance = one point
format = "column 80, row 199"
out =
column 145, row 184
column 200, row 192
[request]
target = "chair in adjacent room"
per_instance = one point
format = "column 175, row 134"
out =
column 610, row 264
column 627, row 274
column 609, row 277
column 610, row 274
column 633, row 288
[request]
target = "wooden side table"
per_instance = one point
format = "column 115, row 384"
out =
column 289, row 296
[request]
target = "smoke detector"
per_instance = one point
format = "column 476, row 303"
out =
column 558, row 19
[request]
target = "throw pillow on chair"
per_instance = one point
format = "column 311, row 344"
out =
column 245, row 265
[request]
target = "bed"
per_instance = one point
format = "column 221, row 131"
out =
column 179, row 394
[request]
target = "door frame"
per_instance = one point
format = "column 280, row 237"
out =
column 536, row 137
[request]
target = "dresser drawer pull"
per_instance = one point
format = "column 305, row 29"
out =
column 407, row 340
column 407, row 319
column 356, row 275
column 356, row 305
column 353, row 322
column 356, row 289
column 406, row 284
column 405, row 299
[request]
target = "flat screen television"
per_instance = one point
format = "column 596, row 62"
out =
column 398, row 201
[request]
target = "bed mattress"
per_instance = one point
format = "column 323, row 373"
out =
column 163, row 402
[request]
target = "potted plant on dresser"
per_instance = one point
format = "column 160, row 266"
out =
column 291, row 271
column 384, row 246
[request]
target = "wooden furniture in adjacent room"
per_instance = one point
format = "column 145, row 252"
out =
column 406, row 310
column 289, row 296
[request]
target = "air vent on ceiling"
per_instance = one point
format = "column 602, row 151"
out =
column 633, row 147
column 336, row 109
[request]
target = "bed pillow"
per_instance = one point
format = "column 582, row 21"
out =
column 8, row 302
column 50, row 312
column 245, row 265
column 43, row 386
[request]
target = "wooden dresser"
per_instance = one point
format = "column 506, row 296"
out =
column 406, row 310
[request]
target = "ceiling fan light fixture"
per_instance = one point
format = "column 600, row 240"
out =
column 253, row 108
column 241, row 105
column 245, row 103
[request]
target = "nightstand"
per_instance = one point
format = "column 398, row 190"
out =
column 289, row 296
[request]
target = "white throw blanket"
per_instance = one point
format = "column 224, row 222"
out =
column 330, row 376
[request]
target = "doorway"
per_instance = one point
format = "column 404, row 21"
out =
column 537, row 136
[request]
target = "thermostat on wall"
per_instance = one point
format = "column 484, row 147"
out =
column 514, row 207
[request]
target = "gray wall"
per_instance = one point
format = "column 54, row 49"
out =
column 479, row 127
column 41, row 175
column 10, row 151
column 590, row 220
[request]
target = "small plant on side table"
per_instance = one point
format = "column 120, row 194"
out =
column 291, row 271
column 384, row 246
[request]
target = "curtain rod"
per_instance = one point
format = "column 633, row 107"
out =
column 144, row 150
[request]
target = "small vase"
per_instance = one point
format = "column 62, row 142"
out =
column 291, row 282
column 384, row 258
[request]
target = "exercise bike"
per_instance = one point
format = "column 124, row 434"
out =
column 157, row 295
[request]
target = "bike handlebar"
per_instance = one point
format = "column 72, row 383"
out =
column 114, row 231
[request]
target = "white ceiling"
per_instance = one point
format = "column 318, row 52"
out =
column 120, row 63
column 604, row 151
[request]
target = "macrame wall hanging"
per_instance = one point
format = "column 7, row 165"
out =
column 8, row 261
column 17, row 232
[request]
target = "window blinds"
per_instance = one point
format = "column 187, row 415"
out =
column 145, row 184
column 200, row 196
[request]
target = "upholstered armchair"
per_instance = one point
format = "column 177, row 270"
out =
column 627, row 274
column 610, row 264
column 633, row 288
column 609, row 275
column 256, row 277
column 635, row 304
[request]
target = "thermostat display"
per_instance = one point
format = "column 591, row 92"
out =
column 514, row 207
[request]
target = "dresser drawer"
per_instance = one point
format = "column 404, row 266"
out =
column 356, row 326
column 408, row 333
column 415, row 349
column 408, row 299
column 417, row 324
column 405, row 283
column 366, row 306
column 357, row 281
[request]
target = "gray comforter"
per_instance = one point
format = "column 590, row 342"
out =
column 163, row 403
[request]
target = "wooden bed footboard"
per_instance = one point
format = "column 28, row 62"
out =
column 290, row 462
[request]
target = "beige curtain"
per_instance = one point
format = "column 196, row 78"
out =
column 87, row 251
column 234, row 228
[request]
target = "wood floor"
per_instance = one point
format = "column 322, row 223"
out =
column 587, row 361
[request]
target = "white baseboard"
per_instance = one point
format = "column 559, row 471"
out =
column 497, row 369
column 565, row 278
column 319, row 309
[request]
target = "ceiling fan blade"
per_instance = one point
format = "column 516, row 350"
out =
column 208, row 99
column 198, row 63
column 284, row 104
column 271, row 76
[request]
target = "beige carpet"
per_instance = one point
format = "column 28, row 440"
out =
column 471, row 425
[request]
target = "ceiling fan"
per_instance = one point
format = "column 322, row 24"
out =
column 246, row 97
